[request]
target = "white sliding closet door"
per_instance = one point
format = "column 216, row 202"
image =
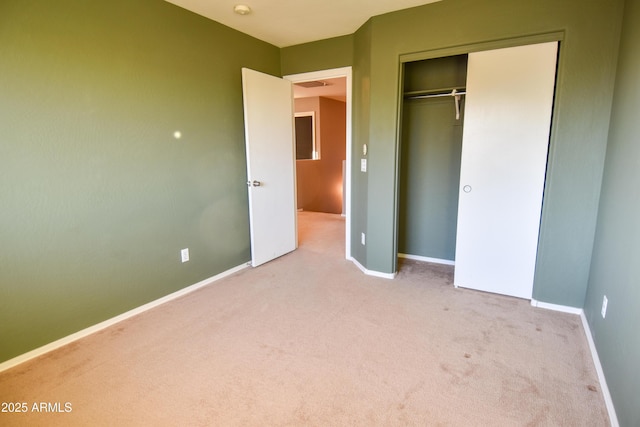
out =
column 504, row 152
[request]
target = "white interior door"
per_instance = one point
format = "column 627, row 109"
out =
column 268, row 121
column 504, row 153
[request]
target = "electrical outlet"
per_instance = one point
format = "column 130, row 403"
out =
column 184, row 254
column 605, row 301
column 362, row 238
column 363, row 165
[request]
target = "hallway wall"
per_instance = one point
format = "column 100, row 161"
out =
column 319, row 182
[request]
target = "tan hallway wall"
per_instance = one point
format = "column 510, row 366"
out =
column 319, row 182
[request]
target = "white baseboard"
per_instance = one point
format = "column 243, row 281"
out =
column 372, row 272
column 556, row 307
column 594, row 354
column 110, row 322
column 428, row 259
column 603, row 381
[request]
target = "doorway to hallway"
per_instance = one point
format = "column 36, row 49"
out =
column 323, row 180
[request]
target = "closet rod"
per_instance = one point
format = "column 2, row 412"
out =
column 435, row 95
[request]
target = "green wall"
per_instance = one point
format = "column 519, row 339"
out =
column 590, row 33
column 430, row 156
column 615, row 269
column 97, row 196
column 325, row 54
column 361, row 119
column 429, row 178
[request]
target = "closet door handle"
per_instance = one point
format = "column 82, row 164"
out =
column 467, row 189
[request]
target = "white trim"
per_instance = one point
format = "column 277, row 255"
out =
column 372, row 272
column 613, row 418
column 427, row 259
column 328, row 74
column 556, row 307
column 594, row 353
column 110, row 322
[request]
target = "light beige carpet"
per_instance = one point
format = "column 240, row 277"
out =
column 309, row 340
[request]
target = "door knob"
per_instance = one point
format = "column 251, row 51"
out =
column 254, row 183
column 467, row 189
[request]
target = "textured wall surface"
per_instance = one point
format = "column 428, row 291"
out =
column 319, row 182
column 98, row 195
column 615, row 269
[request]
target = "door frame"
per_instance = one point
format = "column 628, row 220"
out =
column 330, row 74
column 554, row 36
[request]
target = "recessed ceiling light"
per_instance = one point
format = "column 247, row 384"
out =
column 242, row 9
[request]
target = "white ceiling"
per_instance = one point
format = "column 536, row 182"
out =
column 290, row 22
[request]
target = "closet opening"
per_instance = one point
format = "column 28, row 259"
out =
column 474, row 197
column 430, row 156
